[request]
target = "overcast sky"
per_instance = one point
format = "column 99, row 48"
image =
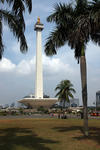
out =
column 17, row 70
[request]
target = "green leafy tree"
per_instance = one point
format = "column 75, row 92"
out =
column 75, row 26
column 65, row 91
column 14, row 18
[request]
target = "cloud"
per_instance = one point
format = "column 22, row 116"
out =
column 6, row 65
column 93, row 54
column 51, row 66
column 17, row 80
column 25, row 67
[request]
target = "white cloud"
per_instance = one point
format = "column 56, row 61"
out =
column 26, row 67
column 53, row 66
column 93, row 53
column 6, row 65
column 23, row 68
column 50, row 66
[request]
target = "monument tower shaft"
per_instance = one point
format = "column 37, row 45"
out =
column 39, row 71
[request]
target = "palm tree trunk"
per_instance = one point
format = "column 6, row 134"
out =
column 64, row 104
column 84, row 92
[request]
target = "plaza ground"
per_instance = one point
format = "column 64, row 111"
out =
column 48, row 134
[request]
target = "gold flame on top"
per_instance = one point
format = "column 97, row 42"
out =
column 38, row 20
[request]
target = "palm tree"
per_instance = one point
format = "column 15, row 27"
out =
column 74, row 26
column 15, row 21
column 65, row 91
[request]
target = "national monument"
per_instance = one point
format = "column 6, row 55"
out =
column 38, row 100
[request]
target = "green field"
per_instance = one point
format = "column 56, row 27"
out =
column 48, row 134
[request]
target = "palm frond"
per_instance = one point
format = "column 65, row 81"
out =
column 62, row 13
column 58, row 87
column 56, row 39
column 18, row 7
column 29, row 5
column 58, row 94
column 81, row 7
column 95, row 21
column 70, row 95
column 2, row 1
column 15, row 27
column 65, row 90
column 50, row 48
column 73, row 90
column 23, row 43
column 96, row 38
column 74, row 31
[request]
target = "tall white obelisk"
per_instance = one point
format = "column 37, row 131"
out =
column 39, row 72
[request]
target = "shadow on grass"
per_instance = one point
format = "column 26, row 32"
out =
column 94, row 132
column 22, row 137
column 67, row 129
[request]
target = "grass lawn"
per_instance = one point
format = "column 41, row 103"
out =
column 48, row 134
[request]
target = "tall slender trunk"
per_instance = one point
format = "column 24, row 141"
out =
column 84, row 92
column 64, row 104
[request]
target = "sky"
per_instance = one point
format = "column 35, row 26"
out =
column 17, row 70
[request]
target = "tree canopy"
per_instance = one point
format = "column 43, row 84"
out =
column 65, row 90
column 75, row 25
column 14, row 18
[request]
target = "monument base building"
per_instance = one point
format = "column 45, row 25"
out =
column 37, row 103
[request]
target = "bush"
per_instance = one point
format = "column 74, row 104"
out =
column 21, row 111
column 42, row 109
column 3, row 113
column 98, row 108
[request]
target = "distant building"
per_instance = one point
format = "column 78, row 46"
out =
column 98, row 99
column 74, row 102
column 1, row 106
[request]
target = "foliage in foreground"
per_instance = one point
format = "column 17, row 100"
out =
column 13, row 16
